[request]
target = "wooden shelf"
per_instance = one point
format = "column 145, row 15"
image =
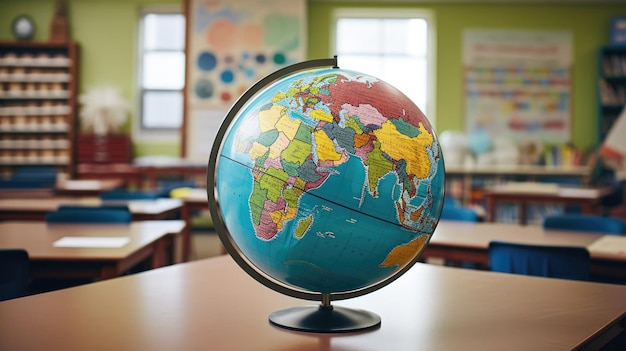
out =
column 611, row 88
column 38, row 99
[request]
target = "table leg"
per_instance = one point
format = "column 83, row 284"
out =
column 159, row 256
column 185, row 214
column 522, row 213
column 491, row 209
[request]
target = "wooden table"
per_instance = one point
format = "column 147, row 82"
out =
column 36, row 208
column 180, row 168
column 87, row 187
column 588, row 198
column 212, row 304
column 124, row 171
column 147, row 240
column 463, row 241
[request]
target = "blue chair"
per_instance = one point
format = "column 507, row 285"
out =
column 90, row 214
column 124, row 194
column 14, row 273
column 453, row 212
column 565, row 262
column 30, row 178
column 457, row 213
column 586, row 223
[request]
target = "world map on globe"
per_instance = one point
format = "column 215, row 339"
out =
column 330, row 180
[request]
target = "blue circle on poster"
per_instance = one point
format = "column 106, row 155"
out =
column 204, row 88
column 260, row 58
column 207, row 61
column 227, row 76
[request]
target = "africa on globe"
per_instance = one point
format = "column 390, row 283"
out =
column 326, row 182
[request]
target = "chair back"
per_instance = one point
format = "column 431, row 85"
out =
column 14, row 273
column 587, row 223
column 90, row 214
column 565, row 262
column 124, row 194
column 457, row 213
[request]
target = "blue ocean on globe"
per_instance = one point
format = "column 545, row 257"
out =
column 330, row 180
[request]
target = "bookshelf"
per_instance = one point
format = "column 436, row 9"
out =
column 38, row 88
column 611, row 88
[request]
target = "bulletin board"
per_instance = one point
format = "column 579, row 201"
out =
column 518, row 84
column 231, row 44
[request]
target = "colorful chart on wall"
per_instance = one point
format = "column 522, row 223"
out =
column 518, row 84
column 231, row 45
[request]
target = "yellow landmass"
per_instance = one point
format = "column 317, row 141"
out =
column 325, row 147
column 322, row 115
column 288, row 126
column 401, row 147
column 269, row 118
column 403, row 255
column 280, row 217
column 257, row 150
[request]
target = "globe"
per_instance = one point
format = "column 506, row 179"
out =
column 325, row 184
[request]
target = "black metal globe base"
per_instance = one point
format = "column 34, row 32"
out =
column 325, row 318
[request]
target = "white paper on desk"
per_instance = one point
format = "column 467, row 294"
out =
column 93, row 241
column 609, row 244
column 82, row 184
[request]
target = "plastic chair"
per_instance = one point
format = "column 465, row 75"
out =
column 87, row 214
column 123, row 194
column 586, row 223
column 454, row 213
column 565, row 262
column 14, row 273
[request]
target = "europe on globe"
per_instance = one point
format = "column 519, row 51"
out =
column 325, row 182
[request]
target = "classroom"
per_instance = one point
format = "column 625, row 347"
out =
column 313, row 174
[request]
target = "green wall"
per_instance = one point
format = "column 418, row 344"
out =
column 107, row 32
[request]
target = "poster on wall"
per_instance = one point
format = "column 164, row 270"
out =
column 231, row 45
column 518, row 84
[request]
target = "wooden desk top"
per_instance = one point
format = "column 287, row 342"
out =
column 137, row 207
column 87, row 187
column 478, row 236
column 197, row 196
column 481, row 233
column 529, row 170
column 38, row 238
column 538, row 190
column 213, row 305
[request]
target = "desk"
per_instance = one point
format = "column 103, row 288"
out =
column 429, row 308
column 151, row 171
column 148, row 240
column 36, row 209
column 588, row 199
column 126, row 172
column 87, row 187
column 464, row 241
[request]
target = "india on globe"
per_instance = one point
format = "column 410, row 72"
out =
column 326, row 182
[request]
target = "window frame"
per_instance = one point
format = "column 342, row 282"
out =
column 399, row 13
column 140, row 131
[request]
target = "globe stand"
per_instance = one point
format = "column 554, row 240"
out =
column 325, row 318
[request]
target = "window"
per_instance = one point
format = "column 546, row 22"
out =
column 394, row 46
column 161, row 70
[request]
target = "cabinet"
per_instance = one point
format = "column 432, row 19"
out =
column 612, row 87
column 38, row 89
